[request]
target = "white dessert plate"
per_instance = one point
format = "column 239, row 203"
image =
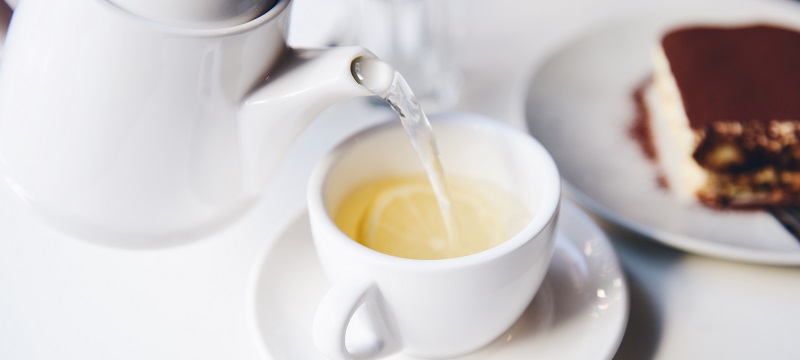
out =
column 580, row 312
column 580, row 106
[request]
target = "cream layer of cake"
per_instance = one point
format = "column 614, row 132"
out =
column 673, row 138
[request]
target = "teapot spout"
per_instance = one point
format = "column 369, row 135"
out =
column 273, row 115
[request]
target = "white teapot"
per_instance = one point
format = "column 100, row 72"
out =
column 136, row 131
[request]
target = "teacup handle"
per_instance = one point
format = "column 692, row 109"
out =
column 335, row 314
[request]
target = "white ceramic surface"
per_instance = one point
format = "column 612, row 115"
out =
column 579, row 313
column 432, row 308
column 61, row 298
column 135, row 133
column 580, row 105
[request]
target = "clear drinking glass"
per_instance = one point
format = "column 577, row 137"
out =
column 419, row 38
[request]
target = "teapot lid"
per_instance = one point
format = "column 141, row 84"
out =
column 201, row 14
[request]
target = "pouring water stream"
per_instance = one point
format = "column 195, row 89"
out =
column 386, row 82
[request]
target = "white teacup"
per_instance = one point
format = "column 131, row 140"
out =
column 430, row 308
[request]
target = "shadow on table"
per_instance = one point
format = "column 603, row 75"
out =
column 646, row 264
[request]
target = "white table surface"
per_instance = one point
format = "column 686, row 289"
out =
column 62, row 298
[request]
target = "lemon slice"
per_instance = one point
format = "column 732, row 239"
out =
column 400, row 216
column 404, row 220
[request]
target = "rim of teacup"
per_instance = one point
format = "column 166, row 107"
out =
column 547, row 212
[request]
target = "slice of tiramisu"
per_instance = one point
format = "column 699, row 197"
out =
column 725, row 112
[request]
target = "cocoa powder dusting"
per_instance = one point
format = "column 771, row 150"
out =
column 640, row 128
column 662, row 182
column 748, row 73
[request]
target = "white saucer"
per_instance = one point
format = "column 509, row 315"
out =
column 580, row 312
column 580, row 107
